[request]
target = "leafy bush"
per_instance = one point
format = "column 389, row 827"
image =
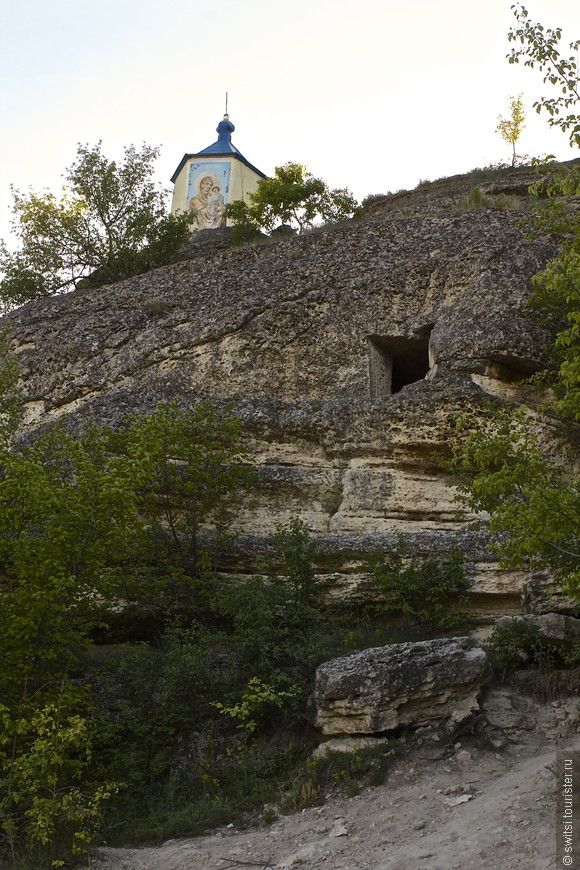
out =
column 423, row 590
column 84, row 522
column 293, row 197
column 517, row 644
column 475, row 198
column 47, row 807
column 502, row 467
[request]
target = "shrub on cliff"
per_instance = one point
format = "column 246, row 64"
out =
column 293, row 196
column 532, row 495
column 111, row 222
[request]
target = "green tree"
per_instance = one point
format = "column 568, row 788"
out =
column 185, row 467
column 107, row 514
column 110, row 222
column 292, row 196
column 83, row 520
column 556, row 303
column 531, row 496
column 506, row 467
column 65, row 516
column 539, row 47
column 511, row 128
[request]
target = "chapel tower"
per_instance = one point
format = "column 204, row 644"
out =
column 207, row 181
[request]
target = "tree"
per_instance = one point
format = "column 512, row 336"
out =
column 511, row 128
column 540, row 48
column 83, row 521
column 505, row 466
column 528, row 488
column 503, row 469
column 292, row 196
column 185, row 466
column 110, row 222
column 556, row 303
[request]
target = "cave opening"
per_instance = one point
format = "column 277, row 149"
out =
column 395, row 362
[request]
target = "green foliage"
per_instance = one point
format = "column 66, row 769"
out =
column 246, row 227
column 511, row 128
column 187, row 722
column 109, row 223
column 475, row 198
column 83, row 522
column 46, row 809
column 518, row 644
column 533, row 500
column 292, row 196
column 343, row 773
column 423, row 590
column 556, row 302
column 538, row 47
column 256, row 696
column 245, row 665
column 10, row 403
column 157, row 307
column 185, row 467
column 68, row 510
column 277, row 623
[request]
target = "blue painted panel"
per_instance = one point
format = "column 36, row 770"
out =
column 208, row 189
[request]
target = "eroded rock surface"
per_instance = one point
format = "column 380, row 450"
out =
column 385, row 688
column 347, row 353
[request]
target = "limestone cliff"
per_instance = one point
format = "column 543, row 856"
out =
column 347, row 353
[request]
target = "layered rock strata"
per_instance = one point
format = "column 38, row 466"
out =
column 347, row 353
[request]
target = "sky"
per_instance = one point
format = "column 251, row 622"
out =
column 373, row 95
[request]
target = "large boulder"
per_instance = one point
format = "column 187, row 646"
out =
column 384, row 688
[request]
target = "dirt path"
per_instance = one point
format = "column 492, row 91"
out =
column 477, row 809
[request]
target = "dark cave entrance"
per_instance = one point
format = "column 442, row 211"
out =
column 395, row 361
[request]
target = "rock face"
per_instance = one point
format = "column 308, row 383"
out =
column 385, row 688
column 316, row 318
column 451, row 194
column 554, row 628
column 541, row 595
column 347, row 354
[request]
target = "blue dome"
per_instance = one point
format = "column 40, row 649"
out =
column 223, row 145
column 225, row 128
column 222, row 148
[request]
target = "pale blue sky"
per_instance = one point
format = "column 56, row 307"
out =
column 373, row 95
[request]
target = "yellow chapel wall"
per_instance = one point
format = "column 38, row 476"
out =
column 243, row 181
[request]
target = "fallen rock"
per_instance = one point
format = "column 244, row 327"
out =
column 460, row 799
column 349, row 745
column 464, row 757
column 384, row 688
column 339, row 829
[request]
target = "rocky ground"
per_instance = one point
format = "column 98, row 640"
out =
column 486, row 801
